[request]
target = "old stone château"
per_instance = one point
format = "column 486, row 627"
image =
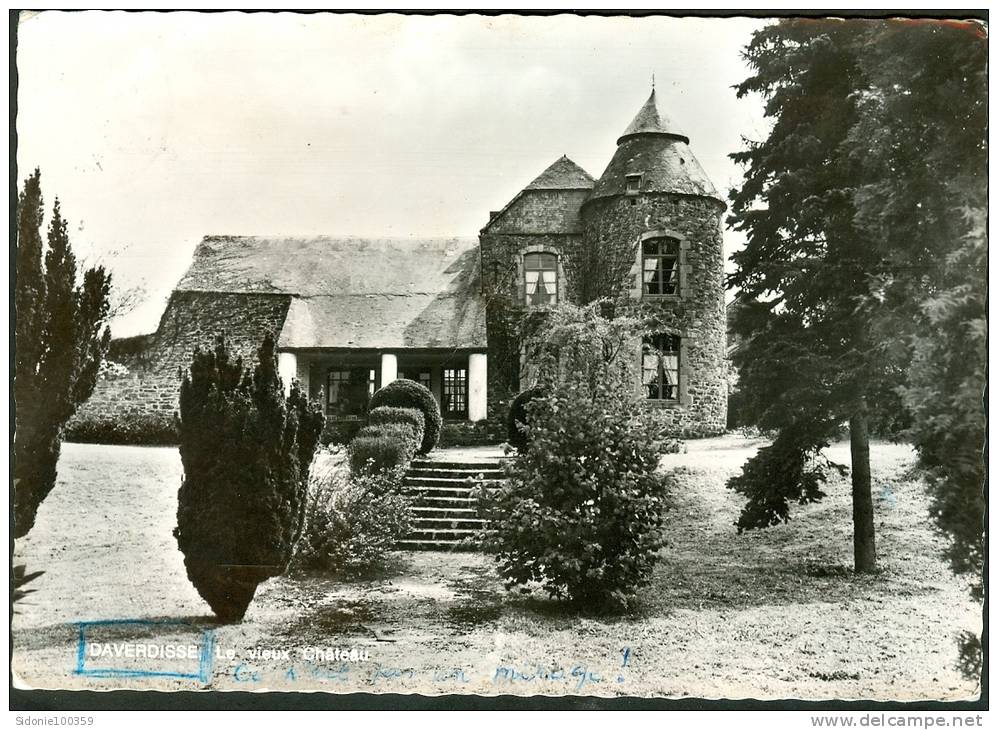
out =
column 354, row 314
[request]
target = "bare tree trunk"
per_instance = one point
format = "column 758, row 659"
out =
column 864, row 541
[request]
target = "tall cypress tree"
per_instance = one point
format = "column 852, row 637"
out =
column 60, row 340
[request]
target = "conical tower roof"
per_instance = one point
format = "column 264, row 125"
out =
column 653, row 154
column 651, row 121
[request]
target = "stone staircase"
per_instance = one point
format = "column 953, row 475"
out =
column 445, row 511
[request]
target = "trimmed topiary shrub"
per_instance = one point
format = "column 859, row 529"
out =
column 517, row 417
column 246, row 452
column 390, row 414
column 382, row 448
column 410, row 394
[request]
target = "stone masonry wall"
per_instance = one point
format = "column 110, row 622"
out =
column 539, row 220
column 503, row 290
column 136, row 403
column 697, row 315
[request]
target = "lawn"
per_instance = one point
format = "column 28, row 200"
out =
column 770, row 614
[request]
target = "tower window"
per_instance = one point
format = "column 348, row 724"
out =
column 540, row 278
column 660, row 267
column 633, row 184
column 660, row 368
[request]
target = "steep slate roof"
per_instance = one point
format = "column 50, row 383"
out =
column 562, row 174
column 651, row 147
column 352, row 292
column 650, row 120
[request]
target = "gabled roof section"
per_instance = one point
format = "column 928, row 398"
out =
column 324, row 265
column 354, row 292
column 650, row 120
column 563, row 174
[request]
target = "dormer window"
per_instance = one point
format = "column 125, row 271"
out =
column 540, row 278
column 632, row 183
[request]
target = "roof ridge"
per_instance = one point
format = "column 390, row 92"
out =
column 562, row 174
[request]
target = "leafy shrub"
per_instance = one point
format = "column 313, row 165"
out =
column 246, row 452
column 384, row 447
column 390, row 414
column 340, row 431
column 583, row 509
column 466, row 433
column 517, row 417
column 136, row 429
column 582, row 512
column 410, row 394
column 353, row 522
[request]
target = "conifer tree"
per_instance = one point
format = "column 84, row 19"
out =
column 246, row 451
column 862, row 282
column 60, row 341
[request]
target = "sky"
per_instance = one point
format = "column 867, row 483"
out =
column 156, row 129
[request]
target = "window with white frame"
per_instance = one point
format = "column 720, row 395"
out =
column 660, row 267
column 660, row 367
column 540, row 278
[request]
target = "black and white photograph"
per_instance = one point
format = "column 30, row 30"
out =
column 596, row 356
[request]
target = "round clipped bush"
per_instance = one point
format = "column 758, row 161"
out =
column 390, row 414
column 517, row 416
column 410, row 394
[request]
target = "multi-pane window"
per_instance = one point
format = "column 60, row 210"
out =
column 420, row 376
column 540, row 278
column 660, row 367
column 455, row 393
column 348, row 391
column 660, row 267
column 632, row 184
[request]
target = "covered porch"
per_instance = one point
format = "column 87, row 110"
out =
column 344, row 379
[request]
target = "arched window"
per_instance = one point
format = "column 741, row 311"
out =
column 540, row 278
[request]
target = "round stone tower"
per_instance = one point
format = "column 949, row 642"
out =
column 655, row 218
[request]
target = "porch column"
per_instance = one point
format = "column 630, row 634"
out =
column 287, row 368
column 477, row 388
column 389, row 368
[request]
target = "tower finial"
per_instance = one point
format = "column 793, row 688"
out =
column 652, row 80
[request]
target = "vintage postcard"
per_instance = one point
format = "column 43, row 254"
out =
column 574, row 355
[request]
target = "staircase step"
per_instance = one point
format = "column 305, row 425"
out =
column 438, row 533
column 444, row 481
column 456, row 465
column 435, row 545
column 489, row 474
column 430, row 510
column 445, row 503
column 442, row 500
